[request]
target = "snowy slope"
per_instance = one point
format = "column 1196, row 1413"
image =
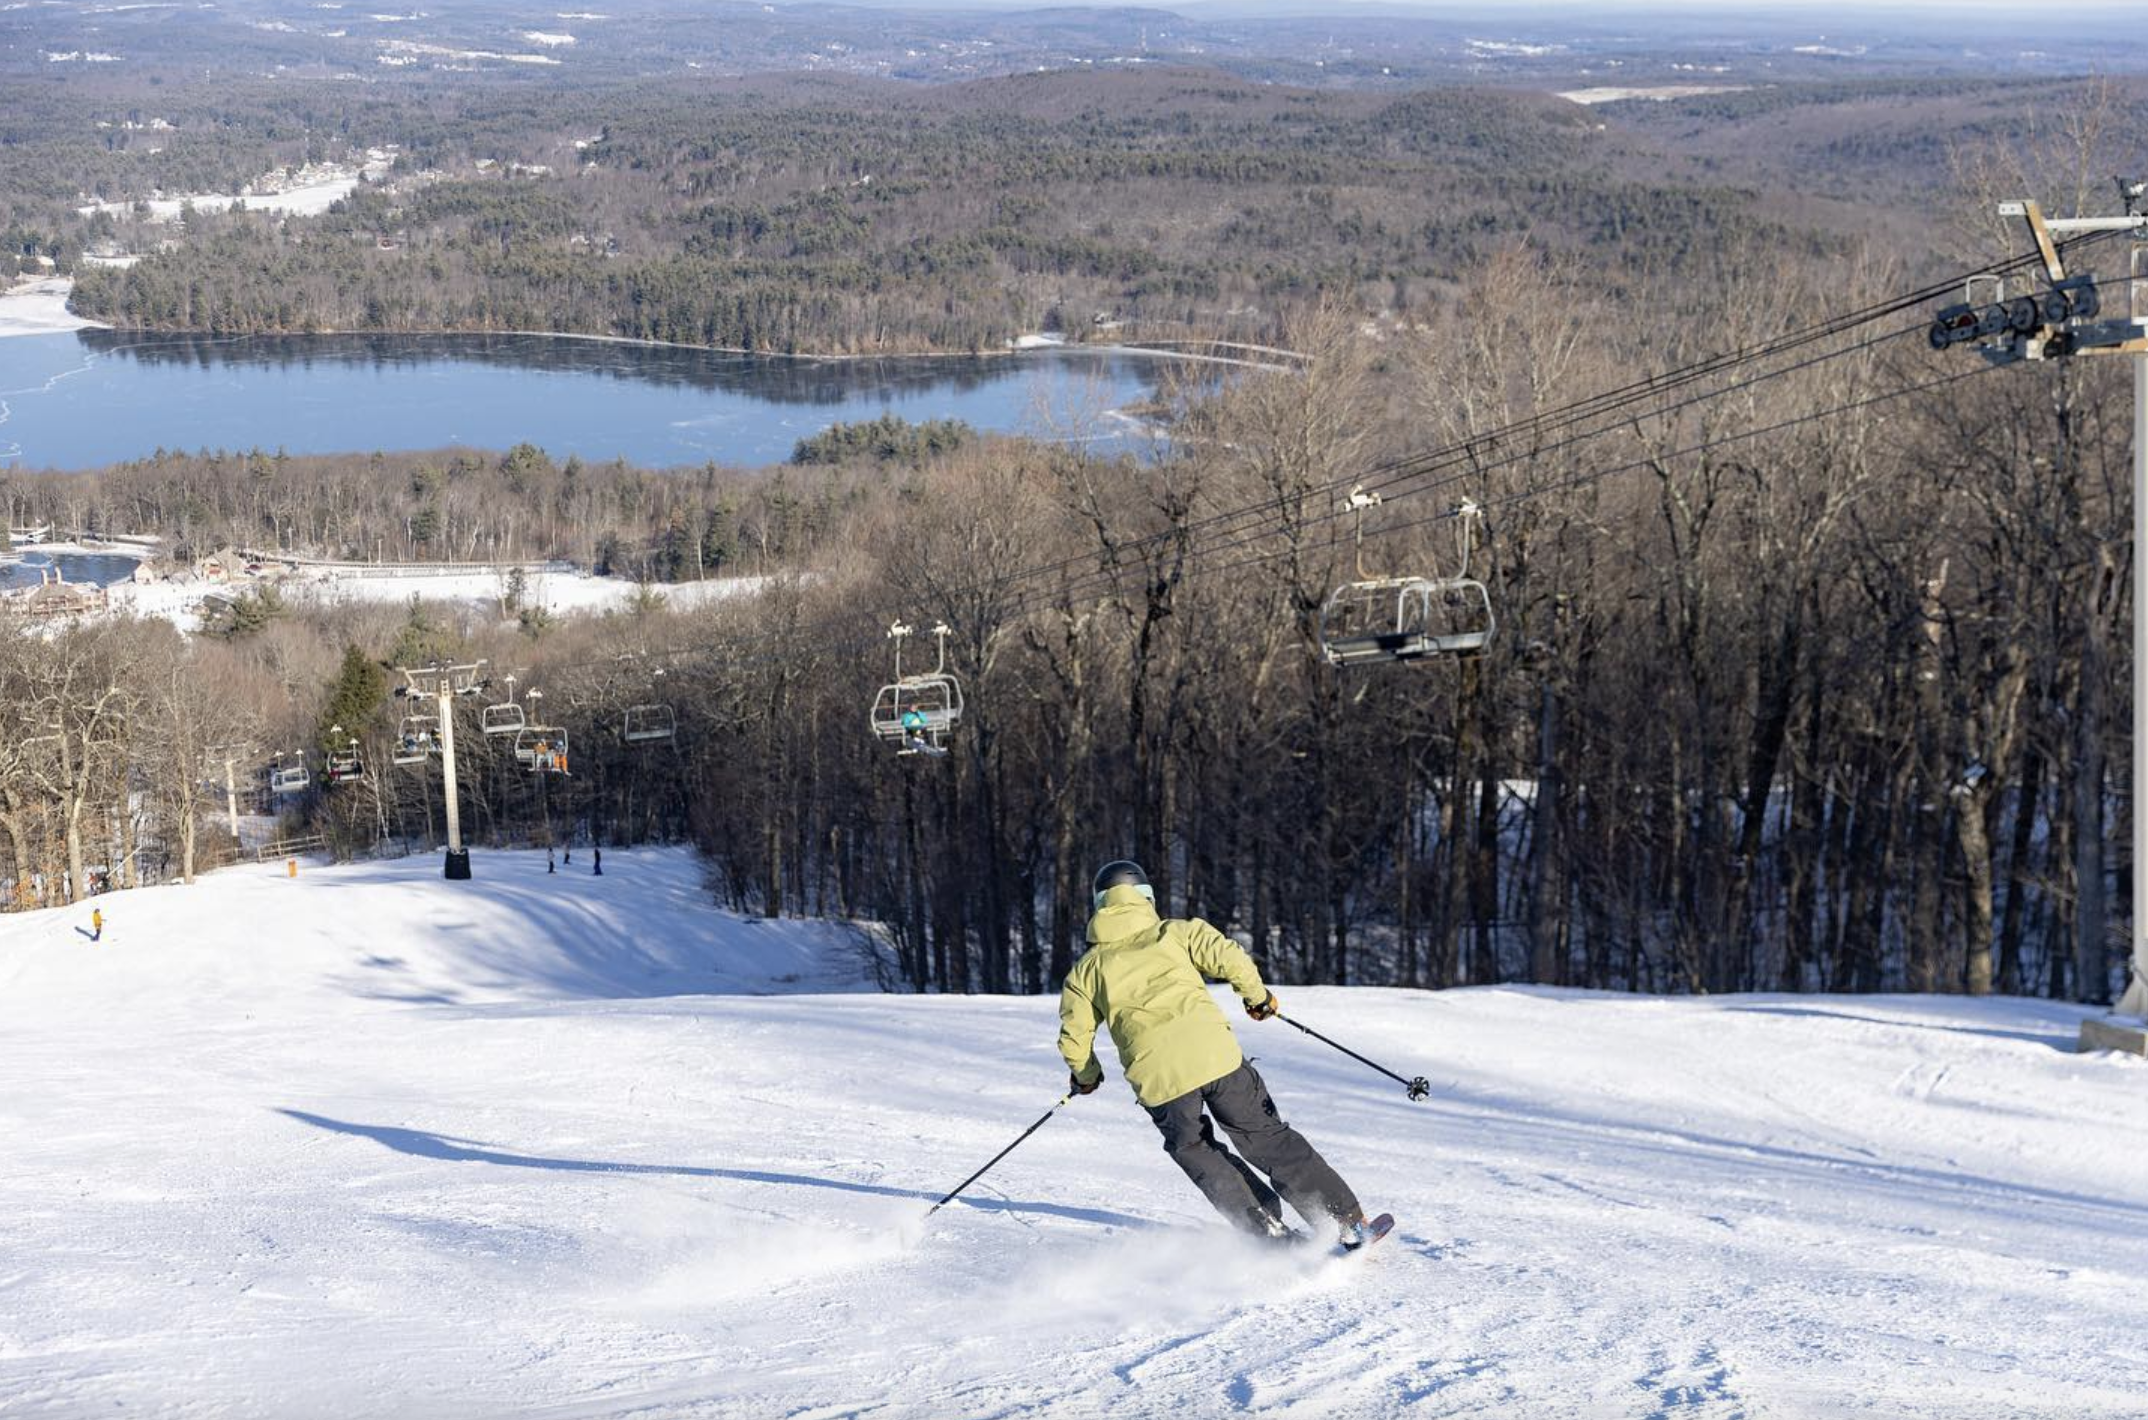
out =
column 365, row 1143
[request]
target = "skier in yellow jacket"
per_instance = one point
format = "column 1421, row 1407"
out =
column 1146, row 980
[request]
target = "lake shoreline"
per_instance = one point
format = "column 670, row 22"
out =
column 591, row 397
column 49, row 316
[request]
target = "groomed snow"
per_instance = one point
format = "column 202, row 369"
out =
column 366, row 1143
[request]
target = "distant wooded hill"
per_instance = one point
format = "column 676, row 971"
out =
column 823, row 213
column 845, row 216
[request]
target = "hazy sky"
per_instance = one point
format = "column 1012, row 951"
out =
column 1844, row 9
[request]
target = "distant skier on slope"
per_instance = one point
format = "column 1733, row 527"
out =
column 1143, row 977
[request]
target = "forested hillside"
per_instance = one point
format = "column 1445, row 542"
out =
column 1806, row 674
column 855, row 218
column 1809, row 669
column 461, row 505
column 836, row 215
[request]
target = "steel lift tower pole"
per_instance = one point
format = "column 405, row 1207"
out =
column 2133, row 1003
column 444, row 683
column 2064, row 320
column 2126, row 1027
column 458, row 857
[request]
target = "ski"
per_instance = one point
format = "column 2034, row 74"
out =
column 1374, row 1230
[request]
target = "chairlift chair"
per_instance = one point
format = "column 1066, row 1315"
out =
column 418, row 741
column 344, row 766
column 915, row 712
column 644, row 723
column 289, row 779
column 1406, row 618
column 506, row 717
column 542, row 749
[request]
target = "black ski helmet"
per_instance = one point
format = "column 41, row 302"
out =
column 1123, row 873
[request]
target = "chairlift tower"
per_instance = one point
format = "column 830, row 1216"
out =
column 230, row 754
column 2059, row 323
column 443, row 683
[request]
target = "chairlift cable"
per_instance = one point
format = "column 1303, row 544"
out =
column 1395, row 490
column 1600, row 475
column 1439, row 460
column 1511, row 500
column 1605, row 401
column 1101, row 578
column 1624, row 401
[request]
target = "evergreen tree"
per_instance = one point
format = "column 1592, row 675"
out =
column 422, row 640
column 355, row 702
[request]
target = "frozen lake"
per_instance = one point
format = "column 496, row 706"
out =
column 93, row 397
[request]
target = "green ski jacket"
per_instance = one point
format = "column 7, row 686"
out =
column 1143, row 978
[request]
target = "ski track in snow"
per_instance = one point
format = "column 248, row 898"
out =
column 364, row 1143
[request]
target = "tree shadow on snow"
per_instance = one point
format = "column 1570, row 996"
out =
column 645, row 930
column 1701, row 1157
column 2059, row 1037
column 420, row 1144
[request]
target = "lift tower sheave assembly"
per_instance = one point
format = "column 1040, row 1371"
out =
column 443, row 683
column 2067, row 319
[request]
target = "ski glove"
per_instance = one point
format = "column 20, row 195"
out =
column 1075, row 1086
column 1261, row 1010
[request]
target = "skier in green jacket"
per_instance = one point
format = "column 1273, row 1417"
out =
column 1146, row 980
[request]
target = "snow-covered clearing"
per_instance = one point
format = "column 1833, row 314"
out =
column 306, row 199
column 1659, row 93
column 39, row 307
column 184, row 603
column 363, row 1142
column 405, row 51
column 559, row 593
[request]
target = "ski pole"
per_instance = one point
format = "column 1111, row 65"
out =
column 1000, row 1155
column 1417, row 1088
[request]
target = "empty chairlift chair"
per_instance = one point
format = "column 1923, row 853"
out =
column 645, row 724
column 505, row 718
column 915, row 713
column 289, row 778
column 1406, row 618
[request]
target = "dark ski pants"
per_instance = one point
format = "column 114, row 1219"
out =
column 1240, row 1103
